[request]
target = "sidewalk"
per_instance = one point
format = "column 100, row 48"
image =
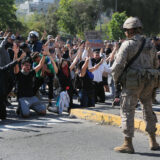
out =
column 106, row 114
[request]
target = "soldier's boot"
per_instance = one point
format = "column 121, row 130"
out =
column 127, row 146
column 153, row 143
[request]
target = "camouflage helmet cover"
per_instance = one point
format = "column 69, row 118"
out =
column 132, row 22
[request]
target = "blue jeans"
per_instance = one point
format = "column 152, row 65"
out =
column 27, row 103
column 87, row 98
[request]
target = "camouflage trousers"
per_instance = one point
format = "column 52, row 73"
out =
column 129, row 100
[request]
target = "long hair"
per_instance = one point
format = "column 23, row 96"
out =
column 60, row 63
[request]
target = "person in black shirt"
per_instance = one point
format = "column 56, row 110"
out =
column 64, row 77
column 87, row 93
column 25, row 84
column 88, row 90
column 4, row 86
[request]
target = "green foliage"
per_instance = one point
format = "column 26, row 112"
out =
column 115, row 30
column 40, row 22
column 33, row 22
column 148, row 11
column 8, row 17
column 77, row 16
column 104, row 29
column 51, row 20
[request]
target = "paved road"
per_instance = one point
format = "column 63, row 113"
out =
column 62, row 138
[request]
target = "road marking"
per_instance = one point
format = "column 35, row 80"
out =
column 37, row 123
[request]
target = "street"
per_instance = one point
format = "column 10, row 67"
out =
column 63, row 138
column 73, row 74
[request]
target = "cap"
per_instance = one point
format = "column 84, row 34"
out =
column 13, row 37
column 96, row 50
column 49, row 37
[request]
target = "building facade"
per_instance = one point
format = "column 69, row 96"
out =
column 31, row 6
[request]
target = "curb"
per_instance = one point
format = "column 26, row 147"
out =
column 110, row 119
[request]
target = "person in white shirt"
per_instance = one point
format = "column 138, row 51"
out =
column 98, row 82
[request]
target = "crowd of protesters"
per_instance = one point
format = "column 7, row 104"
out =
column 28, row 67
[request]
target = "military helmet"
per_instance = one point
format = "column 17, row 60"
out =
column 132, row 22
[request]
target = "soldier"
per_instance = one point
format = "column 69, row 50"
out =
column 138, row 82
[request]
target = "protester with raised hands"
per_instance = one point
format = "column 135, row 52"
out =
column 45, row 75
column 87, row 92
column 78, row 57
column 4, row 85
column 25, row 82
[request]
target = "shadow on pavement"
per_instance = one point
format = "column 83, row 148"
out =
column 149, row 154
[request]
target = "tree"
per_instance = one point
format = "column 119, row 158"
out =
column 77, row 16
column 148, row 11
column 51, row 20
column 115, row 31
column 34, row 22
column 8, row 19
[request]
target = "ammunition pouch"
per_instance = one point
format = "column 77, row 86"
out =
column 154, row 76
column 132, row 78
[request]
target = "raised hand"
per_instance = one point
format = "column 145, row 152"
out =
column 87, row 59
column 44, row 33
column 45, row 51
column 56, row 44
column 8, row 34
column 23, row 55
column 87, row 44
column 101, row 51
column 101, row 61
column 15, row 49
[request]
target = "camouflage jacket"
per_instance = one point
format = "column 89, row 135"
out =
column 146, row 60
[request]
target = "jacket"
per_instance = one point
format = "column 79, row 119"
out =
column 146, row 60
column 4, row 55
column 4, row 78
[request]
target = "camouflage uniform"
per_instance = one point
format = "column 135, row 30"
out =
column 137, row 83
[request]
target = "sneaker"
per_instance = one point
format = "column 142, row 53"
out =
column 53, row 109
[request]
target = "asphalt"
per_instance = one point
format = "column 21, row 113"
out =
column 102, row 113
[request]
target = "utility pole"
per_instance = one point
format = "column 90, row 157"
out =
column 100, row 11
column 116, row 4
